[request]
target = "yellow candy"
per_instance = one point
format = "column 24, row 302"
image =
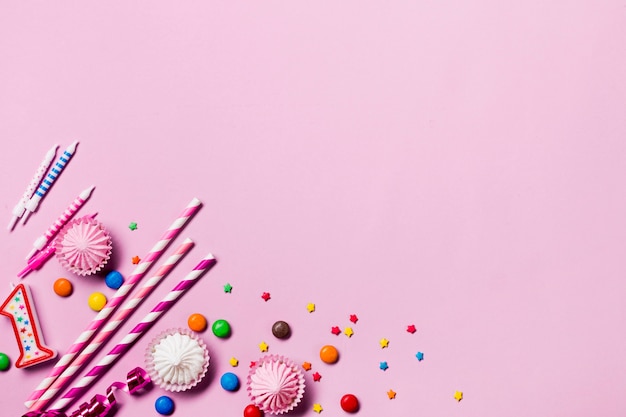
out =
column 97, row 301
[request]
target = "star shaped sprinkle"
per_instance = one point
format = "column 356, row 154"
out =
column 419, row 356
column 310, row 307
column 335, row 330
column 383, row 366
column 132, row 226
column 317, row 377
column 263, row 346
column 384, row 343
column 411, row 328
column 348, row 331
column 306, row 366
column 252, row 364
column 391, row 394
column 353, row 318
column 136, row 259
column 265, row 296
column 228, row 288
column 233, row 361
column 317, row 408
column 458, row 395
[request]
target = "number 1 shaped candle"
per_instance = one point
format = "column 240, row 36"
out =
column 19, row 307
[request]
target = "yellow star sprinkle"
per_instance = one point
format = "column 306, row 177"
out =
column 384, row 343
column 348, row 331
column 310, row 307
column 233, row 361
column 458, row 395
column 317, row 408
column 391, row 394
column 263, row 346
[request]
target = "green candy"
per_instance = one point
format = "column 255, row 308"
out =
column 221, row 328
column 4, row 362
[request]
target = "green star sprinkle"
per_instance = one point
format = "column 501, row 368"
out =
column 132, row 226
column 228, row 288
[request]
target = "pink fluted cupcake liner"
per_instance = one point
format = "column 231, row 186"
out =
column 275, row 384
column 177, row 360
column 83, row 246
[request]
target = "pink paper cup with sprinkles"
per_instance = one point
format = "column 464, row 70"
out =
column 177, row 360
column 275, row 384
column 83, row 246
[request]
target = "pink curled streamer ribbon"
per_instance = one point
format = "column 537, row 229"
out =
column 101, row 405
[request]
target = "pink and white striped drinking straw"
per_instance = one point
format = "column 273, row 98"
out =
column 118, row 298
column 60, row 222
column 105, row 363
column 109, row 329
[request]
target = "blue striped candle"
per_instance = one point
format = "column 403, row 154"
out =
column 49, row 179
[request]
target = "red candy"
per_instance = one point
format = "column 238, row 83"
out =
column 349, row 403
column 252, row 411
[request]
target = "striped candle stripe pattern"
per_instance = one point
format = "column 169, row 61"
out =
column 103, row 366
column 60, row 221
column 49, row 179
column 116, row 300
column 19, row 208
column 107, row 332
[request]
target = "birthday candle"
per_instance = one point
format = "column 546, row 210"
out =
column 19, row 307
column 19, row 208
column 47, row 182
column 60, row 222
column 38, row 260
column 128, row 340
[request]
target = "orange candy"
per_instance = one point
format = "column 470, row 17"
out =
column 62, row 287
column 329, row 354
column 197, row 322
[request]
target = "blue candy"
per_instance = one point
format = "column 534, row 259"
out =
column 114, row 280
column 164, row 405
column 229, row 381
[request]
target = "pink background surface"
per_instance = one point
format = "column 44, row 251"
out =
column 456, row 165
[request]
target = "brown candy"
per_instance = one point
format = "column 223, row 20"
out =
column 281, row 329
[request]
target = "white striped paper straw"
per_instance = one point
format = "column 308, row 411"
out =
column 118, row 298
column 107, row 332
column 100, row 369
